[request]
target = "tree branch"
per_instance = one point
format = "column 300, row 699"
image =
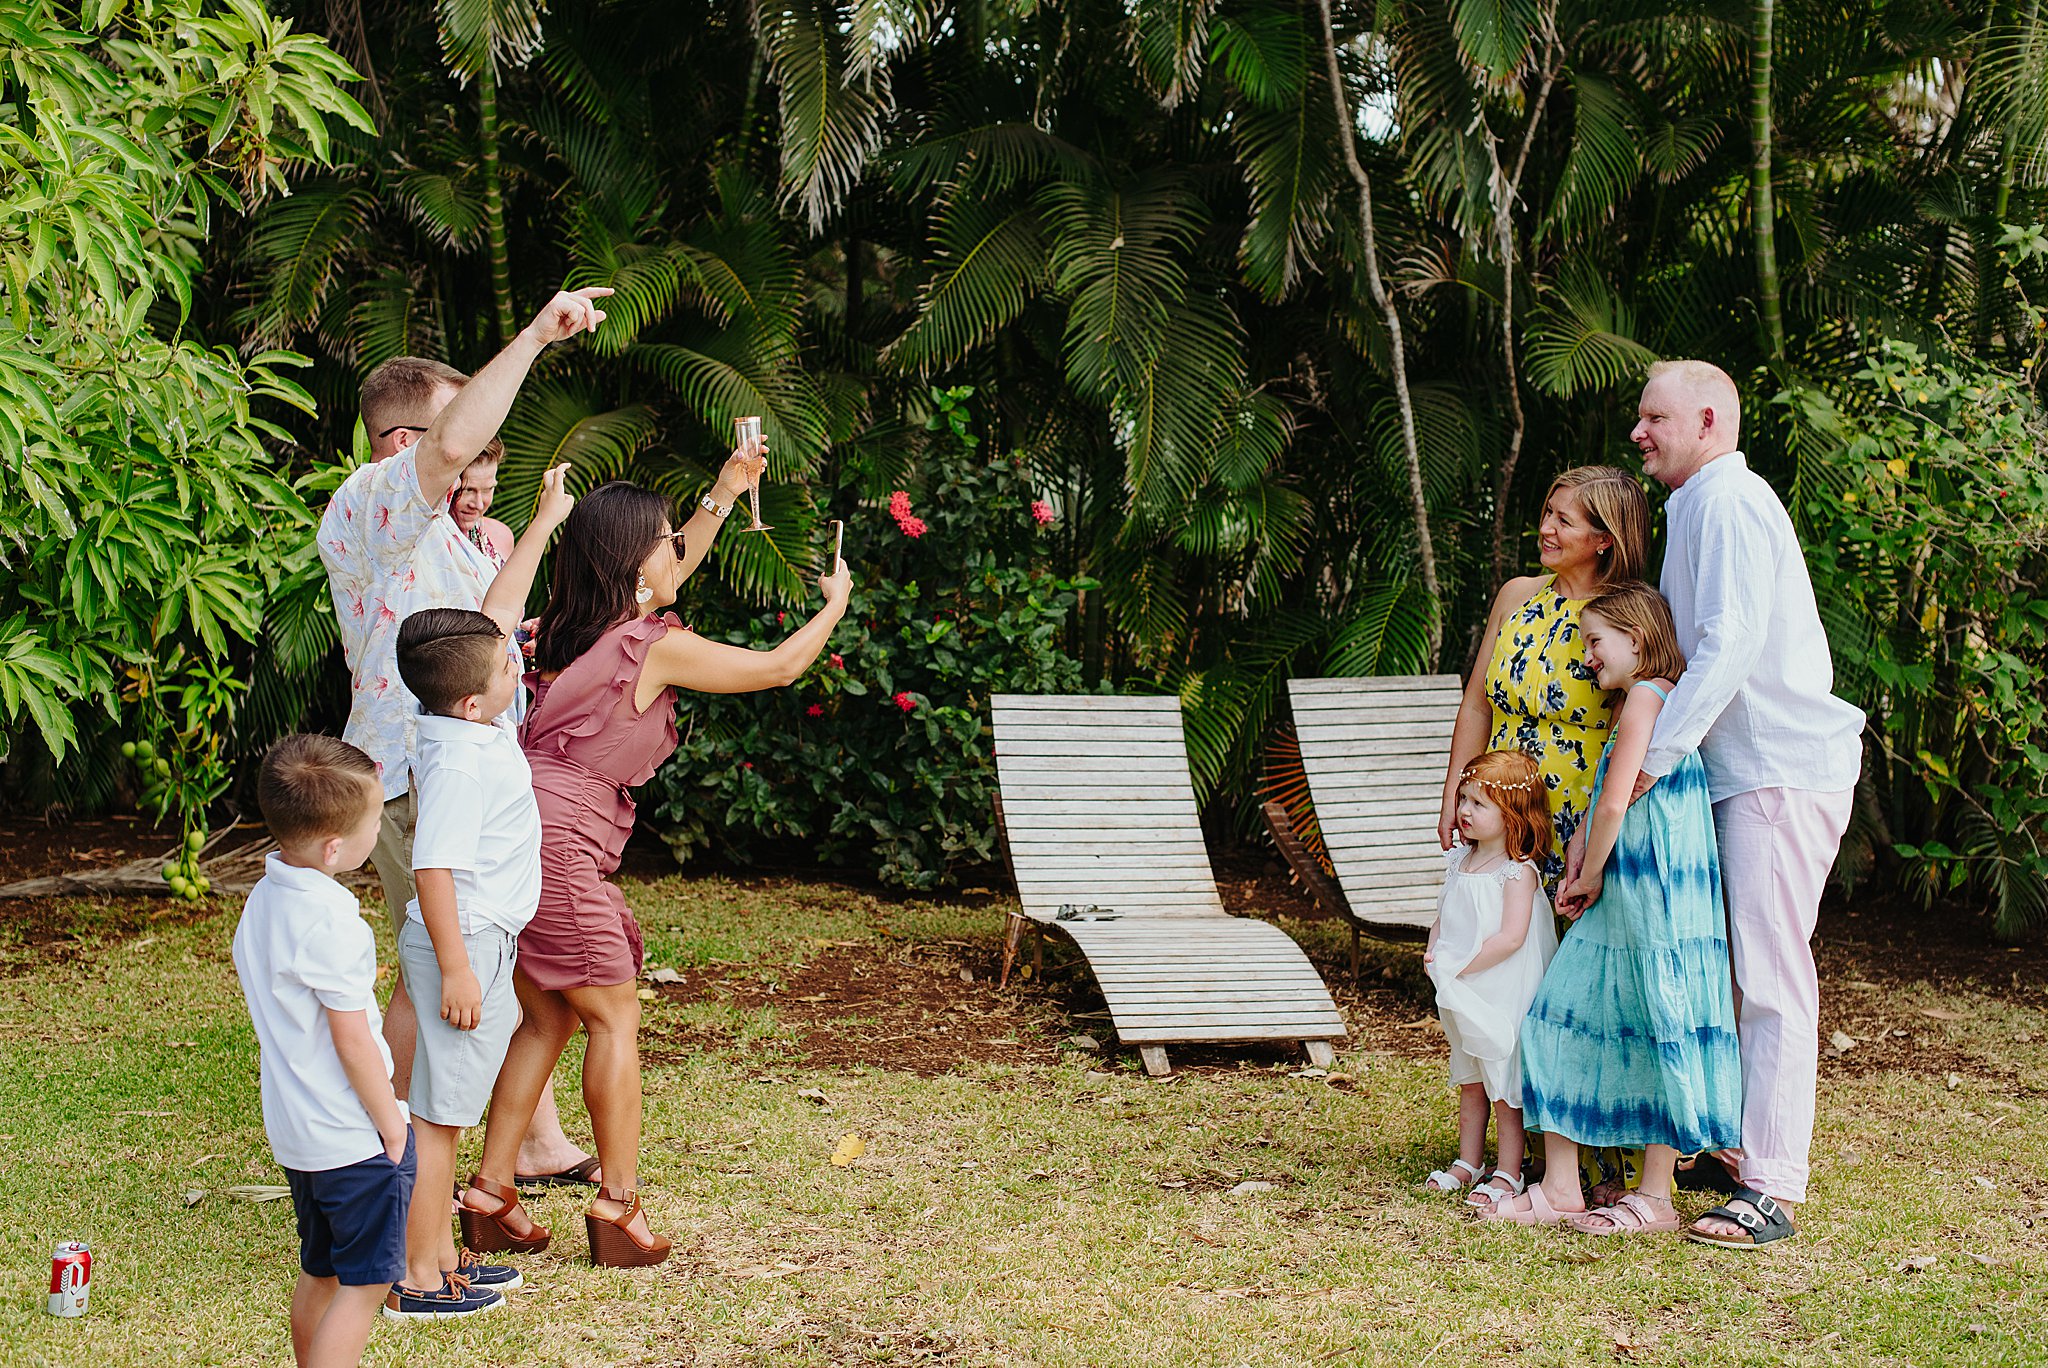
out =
column 1425, row 549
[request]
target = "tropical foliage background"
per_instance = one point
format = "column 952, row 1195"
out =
column 1285, row 314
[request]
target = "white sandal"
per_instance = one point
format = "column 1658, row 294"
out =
column 1443, row 1180
column 1485, row 1195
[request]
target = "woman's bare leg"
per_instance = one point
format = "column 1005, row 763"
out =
column 545, row 1024
column 611, row 1085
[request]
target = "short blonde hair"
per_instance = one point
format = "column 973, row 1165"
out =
column 1701, row 379
column 1641, row 611
column 492, row 454
column 1614, row 501
column 313, row 787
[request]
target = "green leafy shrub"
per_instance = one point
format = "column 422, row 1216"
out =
column 879, row 757
column 142, row 519
column 1929, row 548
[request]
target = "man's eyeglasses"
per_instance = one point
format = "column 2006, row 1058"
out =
column 399, row 427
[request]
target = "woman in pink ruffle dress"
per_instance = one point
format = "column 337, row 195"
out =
column 608, row 665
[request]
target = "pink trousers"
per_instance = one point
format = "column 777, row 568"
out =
column 1777, row 846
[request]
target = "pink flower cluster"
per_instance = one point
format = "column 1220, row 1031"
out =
column 815, row 710
column 906, row 702
column 907, row 522
column 838, row 661
column 1041, row 512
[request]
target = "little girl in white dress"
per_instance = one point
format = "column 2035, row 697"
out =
column 1493, row 939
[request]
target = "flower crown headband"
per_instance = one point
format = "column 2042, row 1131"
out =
column 1518, row 786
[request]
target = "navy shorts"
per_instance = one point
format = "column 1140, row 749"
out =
column 352, row 1220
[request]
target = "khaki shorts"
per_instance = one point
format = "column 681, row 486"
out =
column 454, row 1071
column 392, row 857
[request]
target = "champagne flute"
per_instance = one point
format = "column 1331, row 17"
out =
column 747, row 437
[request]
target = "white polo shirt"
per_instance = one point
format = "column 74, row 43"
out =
column 477, row 817
column 1756, row 697
column 303, row 947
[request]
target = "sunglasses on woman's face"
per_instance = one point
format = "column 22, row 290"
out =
column 678, row 545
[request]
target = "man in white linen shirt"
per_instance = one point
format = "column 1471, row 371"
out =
column 1782, row 755
column 391, row 547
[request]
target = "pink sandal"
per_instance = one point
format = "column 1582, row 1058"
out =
column 1632, row 1214
column 1539, row 1213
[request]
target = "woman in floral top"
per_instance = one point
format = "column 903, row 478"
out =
column 1531, row 689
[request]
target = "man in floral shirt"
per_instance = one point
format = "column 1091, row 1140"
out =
column 391, row 548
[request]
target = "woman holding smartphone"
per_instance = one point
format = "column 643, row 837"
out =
column 608, row 665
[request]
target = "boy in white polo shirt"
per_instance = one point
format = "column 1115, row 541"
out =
column 476, row 863
column 308, row 965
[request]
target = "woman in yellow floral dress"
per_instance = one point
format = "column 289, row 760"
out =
column 1530, row 689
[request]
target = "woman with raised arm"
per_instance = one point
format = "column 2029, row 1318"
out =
column 608, row 666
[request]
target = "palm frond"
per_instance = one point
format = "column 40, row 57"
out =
column 298, row 247
column 1605, row 158
column 1168, row 40
column 1388, row 632
column 1495, row 36
column 503, row 32
column 1118, row 256
column 1284, row 151
column 721, row 379
column 1581, row 337
column 989, row 261
column 448, row 205
column 1264, row 54
column 563, row 419
column 831, row 116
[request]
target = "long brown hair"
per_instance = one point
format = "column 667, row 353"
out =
column 1614, row 504
column 1514, row 784
column 1641, row 611
column 597, row 564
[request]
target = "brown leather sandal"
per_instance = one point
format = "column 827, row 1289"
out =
column 491, row 1232
column 612, row 1241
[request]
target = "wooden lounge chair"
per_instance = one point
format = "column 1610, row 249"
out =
column 1098, row 816
column 1375, row 749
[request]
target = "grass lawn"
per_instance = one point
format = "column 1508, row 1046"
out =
column 1020, row 1201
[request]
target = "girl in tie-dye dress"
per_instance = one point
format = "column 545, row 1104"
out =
column 1631, row 1039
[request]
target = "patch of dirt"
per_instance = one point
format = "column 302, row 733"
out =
column 910, row 1011
column 31, row 848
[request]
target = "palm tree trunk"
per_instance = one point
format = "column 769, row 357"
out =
column 1763, row 210
column 494, row 202
column 1425, row 549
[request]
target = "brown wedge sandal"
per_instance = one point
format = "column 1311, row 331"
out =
column 612, row 1241
column 492, row 1232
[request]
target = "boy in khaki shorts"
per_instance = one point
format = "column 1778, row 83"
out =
column 476, row 865
column 476, row 862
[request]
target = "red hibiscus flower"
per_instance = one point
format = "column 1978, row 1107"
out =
column 906, row 702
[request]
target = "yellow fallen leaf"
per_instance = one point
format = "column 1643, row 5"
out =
column 849, row 1148
column 647, row 995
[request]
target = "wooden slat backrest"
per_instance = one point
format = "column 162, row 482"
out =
column 1375, row 749
column 1098, row 805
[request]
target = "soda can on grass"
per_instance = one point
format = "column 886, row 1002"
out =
column 70, row 1278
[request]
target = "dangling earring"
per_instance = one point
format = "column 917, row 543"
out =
column 643, row 593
